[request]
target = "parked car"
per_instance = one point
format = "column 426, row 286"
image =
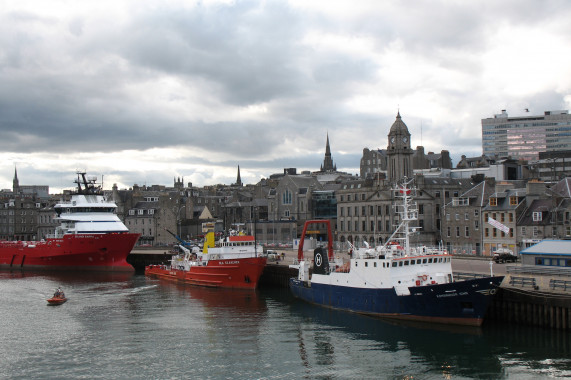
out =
column 503, row 255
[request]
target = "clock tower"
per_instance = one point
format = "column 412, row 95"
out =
column 399, row 152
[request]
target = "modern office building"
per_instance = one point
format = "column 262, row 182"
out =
column 523, row 137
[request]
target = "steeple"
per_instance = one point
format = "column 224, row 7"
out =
column 15, row 182
column 238, row 179
column 327, row 161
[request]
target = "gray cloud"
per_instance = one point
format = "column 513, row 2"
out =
column 94, row 81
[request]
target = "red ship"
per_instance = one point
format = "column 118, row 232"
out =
column 237, row 262
column 90, row 237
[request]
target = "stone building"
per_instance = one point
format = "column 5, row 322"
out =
column 463, row 221
column 504, row 208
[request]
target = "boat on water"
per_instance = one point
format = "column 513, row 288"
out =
column 237, row 261
column 58, row 298
column 394, row 280
column 90, row 236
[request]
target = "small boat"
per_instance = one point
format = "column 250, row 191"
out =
column 237, row 261
column 395, row 280
column 58, row 298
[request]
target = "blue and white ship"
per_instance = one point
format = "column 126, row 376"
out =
column 394, row 280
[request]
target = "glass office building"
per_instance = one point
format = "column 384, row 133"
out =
column 523, row 137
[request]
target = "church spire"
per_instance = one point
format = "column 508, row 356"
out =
column 15, row 182
column 238, row 179
column 327, row 161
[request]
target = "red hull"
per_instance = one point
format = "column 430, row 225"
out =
column 54, row 301
column 72, row 252
column 241, row 273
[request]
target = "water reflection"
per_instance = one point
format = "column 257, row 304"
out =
column 496, row 351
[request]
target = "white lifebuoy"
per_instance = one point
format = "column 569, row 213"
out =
column 424, row 277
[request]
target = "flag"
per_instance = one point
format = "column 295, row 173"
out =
column 498, row 225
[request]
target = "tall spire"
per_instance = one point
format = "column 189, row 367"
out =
column 15, row 182
column 238, row 179
column 327, row 161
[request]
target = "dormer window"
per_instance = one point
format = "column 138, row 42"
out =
column 513, row 201
column 493, row 201
column 537, row 216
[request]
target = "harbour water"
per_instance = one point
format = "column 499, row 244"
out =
column 123, row 326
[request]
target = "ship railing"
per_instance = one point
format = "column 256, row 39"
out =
column 462, row 276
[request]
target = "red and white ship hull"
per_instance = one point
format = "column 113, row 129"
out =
column 106, row 252
column 242, row 273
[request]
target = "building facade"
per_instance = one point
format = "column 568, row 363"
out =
column 524, row 137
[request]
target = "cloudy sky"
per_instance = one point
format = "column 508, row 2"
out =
column 145, row 91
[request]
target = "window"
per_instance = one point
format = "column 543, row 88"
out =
column 537, row 217
column 140, row 212
column 420, row 209
column 493, row 201
column 363, row 210
column 151, row 212
column 467, row 231
column 286, row 197
column 513, row 201
column 448, row 231
column 131, row 212
column 476, row 224
column 476, row 213
column 466, row 216
column 457, row 231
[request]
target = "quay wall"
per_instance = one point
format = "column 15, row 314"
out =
column 530, row 308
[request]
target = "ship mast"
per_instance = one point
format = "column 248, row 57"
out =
column 407, row 214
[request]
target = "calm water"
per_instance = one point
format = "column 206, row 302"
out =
column 133, row 327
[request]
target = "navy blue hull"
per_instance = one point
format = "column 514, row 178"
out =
column 463, row 302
